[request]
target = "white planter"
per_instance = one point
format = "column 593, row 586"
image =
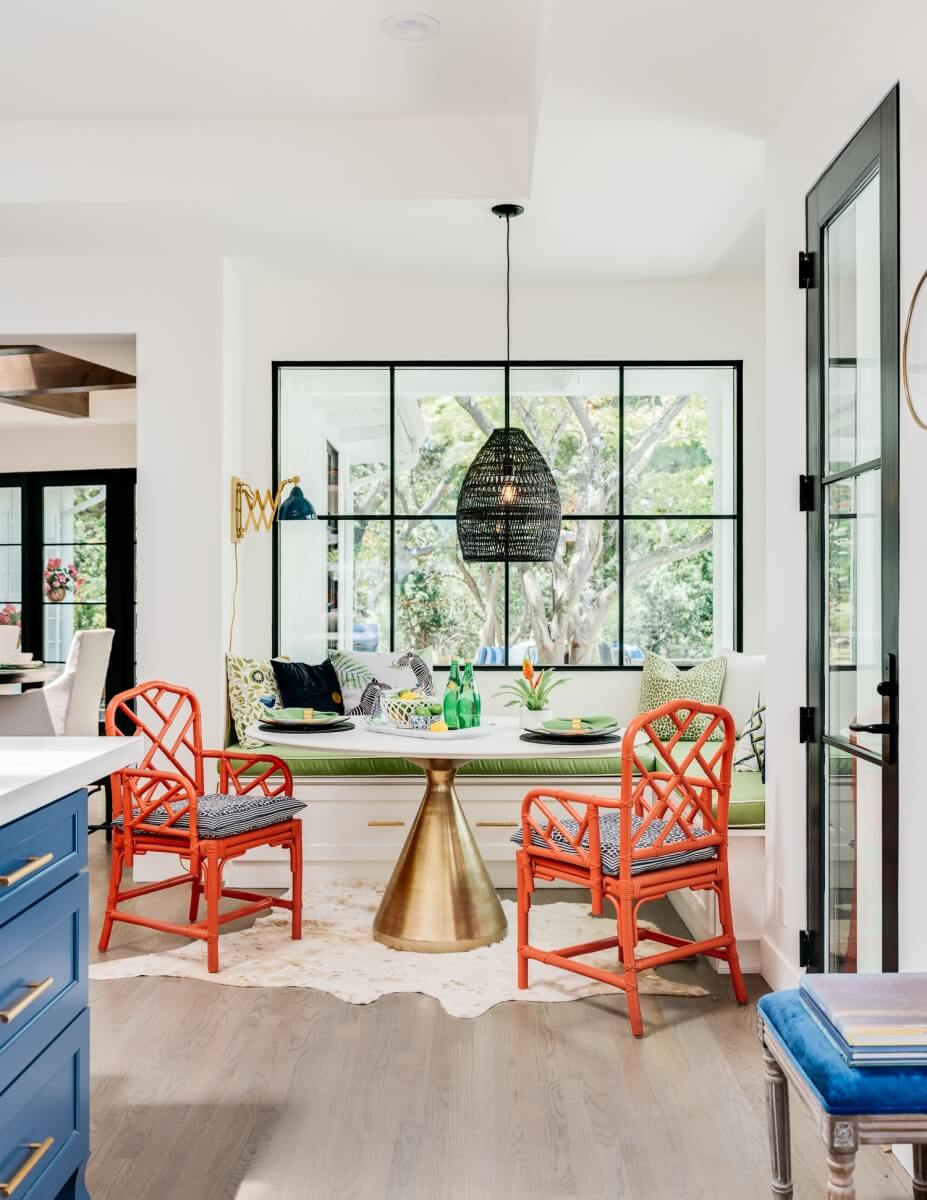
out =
column 531, row 718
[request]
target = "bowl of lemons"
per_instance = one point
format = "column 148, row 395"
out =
column 408, row 709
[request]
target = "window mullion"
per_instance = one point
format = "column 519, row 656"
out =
column 621, row 515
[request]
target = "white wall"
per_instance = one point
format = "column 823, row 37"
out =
column 66, row 449
column 289, row 316
column 874, row 47
column 177, row 309
column 205, row 342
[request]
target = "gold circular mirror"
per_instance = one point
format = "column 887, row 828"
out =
column 914, row 353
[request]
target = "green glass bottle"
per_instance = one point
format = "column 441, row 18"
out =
column 467, row 716
column 451, row 693
column 470, row 679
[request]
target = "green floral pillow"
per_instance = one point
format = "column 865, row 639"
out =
column 663, row 681
column 249, row 679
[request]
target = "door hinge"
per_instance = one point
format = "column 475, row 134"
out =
column 807, row 948
column 806, row 493
column 806, row 725
column 805, row 269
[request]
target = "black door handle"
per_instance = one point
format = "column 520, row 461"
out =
column 888, row 727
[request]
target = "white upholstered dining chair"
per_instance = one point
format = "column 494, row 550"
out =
column 69, row 706
column 74, row 698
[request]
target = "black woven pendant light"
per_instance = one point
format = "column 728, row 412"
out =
column 509, row 507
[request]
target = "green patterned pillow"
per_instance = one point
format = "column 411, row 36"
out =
column 249, row 680
column 663, row 681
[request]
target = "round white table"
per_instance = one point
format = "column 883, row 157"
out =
column 28, row 676
column 440, row 898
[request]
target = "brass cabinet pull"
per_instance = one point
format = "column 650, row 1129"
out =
column 384, row 824
column 39, row 1150
column 35, row 990
column 497, row 824
column 33, row 864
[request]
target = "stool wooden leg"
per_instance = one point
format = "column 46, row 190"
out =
column 840, row 1168
column 920, row 1171
column 842, row 1139
column 777, row 1120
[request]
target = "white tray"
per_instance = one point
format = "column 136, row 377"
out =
column 452, row 735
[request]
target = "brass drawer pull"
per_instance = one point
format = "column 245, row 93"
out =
column 39, row 1150
column 497, row 824
column 35, row 990
column 33, row 864
column 384, row 824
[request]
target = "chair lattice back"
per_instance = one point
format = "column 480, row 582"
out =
column 169, row 775
column 690, row 788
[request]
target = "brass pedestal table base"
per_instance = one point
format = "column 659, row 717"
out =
column 440, row 898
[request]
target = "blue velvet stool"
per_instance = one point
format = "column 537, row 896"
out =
column 854, row 1106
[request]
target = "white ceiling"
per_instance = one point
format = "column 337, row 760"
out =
column 294, row 131
column 216, row 59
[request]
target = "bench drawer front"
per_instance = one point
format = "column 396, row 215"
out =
column 44, row 1133
column 43, row 974
column 359, row 822
column 41, row 851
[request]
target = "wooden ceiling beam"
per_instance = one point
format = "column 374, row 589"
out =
column 72, row 404
column 29, row 371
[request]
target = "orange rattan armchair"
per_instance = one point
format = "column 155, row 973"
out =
column 667, row 830
column 160, row 808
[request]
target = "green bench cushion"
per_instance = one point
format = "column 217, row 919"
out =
column 748, row 801
column 748, row 793
column 323, row 764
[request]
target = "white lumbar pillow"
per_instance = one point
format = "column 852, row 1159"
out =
column 744, row 680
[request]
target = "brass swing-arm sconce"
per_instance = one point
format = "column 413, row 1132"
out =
column 254, row 509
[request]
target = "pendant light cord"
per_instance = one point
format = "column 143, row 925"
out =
column 508, row 312
column 508, row 291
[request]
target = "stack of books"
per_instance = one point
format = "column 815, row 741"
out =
column 873, row 1020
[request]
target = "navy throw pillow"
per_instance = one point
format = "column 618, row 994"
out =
column 304, row 686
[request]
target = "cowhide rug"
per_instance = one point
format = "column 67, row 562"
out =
column 337, row 954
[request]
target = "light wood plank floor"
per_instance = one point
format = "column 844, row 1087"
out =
column 203, row 1092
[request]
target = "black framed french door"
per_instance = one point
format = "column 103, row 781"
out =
column 851, row 270
column 67, row 562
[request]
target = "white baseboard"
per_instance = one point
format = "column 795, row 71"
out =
column 776, row 969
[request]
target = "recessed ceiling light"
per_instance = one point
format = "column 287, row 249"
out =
column 410, row 27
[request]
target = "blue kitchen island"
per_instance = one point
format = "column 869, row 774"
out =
column 44, row 913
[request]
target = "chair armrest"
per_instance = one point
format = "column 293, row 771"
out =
column 540, row 822
column 176, row 787
column 232, row 777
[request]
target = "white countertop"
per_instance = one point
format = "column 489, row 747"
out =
column 34, row 771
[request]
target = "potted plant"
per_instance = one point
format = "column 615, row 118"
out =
column 531, row 694
column 10, row 615
column 59, row 580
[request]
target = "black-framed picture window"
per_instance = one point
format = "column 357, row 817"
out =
column 646, row 457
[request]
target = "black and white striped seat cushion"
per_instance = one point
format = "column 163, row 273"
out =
column 610, row 836
column 219, row 816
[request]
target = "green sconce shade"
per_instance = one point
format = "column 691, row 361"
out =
column 296, row 507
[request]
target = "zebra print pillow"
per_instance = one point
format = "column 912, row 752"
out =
column 364, row 676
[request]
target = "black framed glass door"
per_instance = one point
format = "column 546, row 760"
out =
column 852, row 494
column 67, row 562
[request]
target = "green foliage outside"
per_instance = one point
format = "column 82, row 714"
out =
column 569, row 609
column 89, row 557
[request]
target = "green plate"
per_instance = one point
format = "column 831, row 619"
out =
column 292, row 717
column 600, row 724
